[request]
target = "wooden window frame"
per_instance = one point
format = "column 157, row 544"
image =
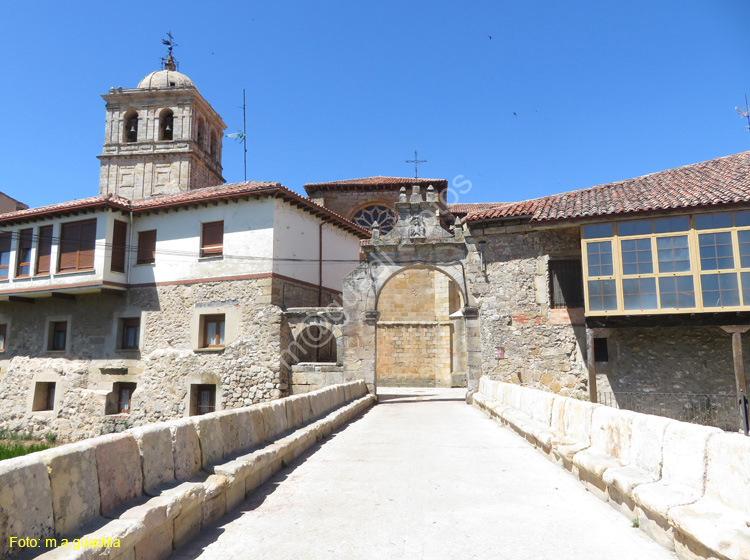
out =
column 129, row 323
column 696, row 273
column 211, row 246
column 54, row 328
column 119, row 246
column 560, row 268
column 77, row 249
column 198, row 392
column 146, row 253
column 219, row 319
column 43, row 265
column 121, row 388
column 23, row 252
column 5, row 246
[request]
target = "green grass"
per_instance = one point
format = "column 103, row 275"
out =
column 10, row 449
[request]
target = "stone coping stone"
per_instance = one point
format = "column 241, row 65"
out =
column 118, row 467
column 611, row 430
column 274, row 419
column 647, row 437
column 75, row 498
column 252, row 428
column 157, row 459
column 229, row 422
column 208, row 428
column 720, row 520
column 186, row 448
column 25, row 501
column 297, row 410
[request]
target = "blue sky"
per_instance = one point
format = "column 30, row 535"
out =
column 522, row 99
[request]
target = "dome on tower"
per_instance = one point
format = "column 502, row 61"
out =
column 165, row 79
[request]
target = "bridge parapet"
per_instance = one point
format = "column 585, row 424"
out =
column 149, row 490
column 688, row 486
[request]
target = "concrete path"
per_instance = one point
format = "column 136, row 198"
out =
column 423, row 475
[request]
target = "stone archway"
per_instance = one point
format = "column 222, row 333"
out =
column 419, row 330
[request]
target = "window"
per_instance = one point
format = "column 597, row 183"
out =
column 58, row 336
column 213, row 331
column 384, row 216
column 202, row 399
column 23, row 254
column 44, row 396
column 166, row 125
column 4, row 253
column 3, row 334
column 131, row 127
column 119, row 401
column 77, row 243
column 130, row 333
column 119, row 243
column 212, row 239
column 566, row 283
column 44, row 251
column 683, row 263
column 601, row 350
column 199, row 136
column 146, row 247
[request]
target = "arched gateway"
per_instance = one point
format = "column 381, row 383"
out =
column 409, row 318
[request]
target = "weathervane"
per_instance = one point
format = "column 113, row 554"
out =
column 169, row 62
column 416, row 161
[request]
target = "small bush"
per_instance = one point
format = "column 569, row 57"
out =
column 10, row 450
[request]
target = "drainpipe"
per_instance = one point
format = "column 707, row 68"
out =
column 320, row 264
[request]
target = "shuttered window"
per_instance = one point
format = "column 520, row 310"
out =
column 44, row 250
column 146, row 247
column 566, row 283
column 4, row 254
column 119, row 242
column 77, row 243
column 23, row 254
column 212, row 239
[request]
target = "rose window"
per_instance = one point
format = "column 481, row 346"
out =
column 384, row 216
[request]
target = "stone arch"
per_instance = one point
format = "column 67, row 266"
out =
column 420, row 331
column 166, row 124
column 130, row 127
column 316, row 343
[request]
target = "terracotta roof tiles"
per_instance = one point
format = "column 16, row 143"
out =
column 725, row 180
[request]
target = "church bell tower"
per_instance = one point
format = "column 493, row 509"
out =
column 160, row 138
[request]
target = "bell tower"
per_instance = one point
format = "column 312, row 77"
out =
column 160, row 138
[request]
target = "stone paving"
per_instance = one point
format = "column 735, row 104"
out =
column 423, row 476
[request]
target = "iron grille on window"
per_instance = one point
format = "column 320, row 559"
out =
column 566, row 283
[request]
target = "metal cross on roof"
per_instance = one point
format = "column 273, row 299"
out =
column 416, row 161
column 169, row 62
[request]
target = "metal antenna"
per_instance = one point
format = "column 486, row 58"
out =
column 746, row 113
column 416, row 161
column 242, row 136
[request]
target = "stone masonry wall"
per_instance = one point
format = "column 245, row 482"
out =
column 246, row 371
column 414, row 335
column 522, row 342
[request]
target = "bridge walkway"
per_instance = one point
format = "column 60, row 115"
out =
column 423, row 476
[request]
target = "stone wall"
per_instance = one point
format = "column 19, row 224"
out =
column 669, row 360
column 522, row 342
column 414, row 331
column 246, row 371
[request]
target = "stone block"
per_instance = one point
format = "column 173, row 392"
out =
column 118, row 466
column 252, row 430
column 317, row 403
column 208, row 428
column 186, row 448
column 157, row 460
column 157, row 544
column 25, row 502
column 274, row 419
column 75, row 496
column 229, row 420
column 297, row 411
column 215, row 501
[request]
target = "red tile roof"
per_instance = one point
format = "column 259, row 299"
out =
column 375, row 183
column 463, row 208
column 197, row 197
column 725, row 180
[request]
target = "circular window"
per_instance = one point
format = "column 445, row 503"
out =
column 384, row 216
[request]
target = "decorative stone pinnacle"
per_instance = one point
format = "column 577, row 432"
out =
column 169, row 64
column 430, row 194
column 402, row 194
column 416, row 194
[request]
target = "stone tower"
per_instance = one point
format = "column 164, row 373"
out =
column 160, row 138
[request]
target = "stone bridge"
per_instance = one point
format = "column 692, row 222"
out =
column 421, row 475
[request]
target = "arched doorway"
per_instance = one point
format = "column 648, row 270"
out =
column 420, row 330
